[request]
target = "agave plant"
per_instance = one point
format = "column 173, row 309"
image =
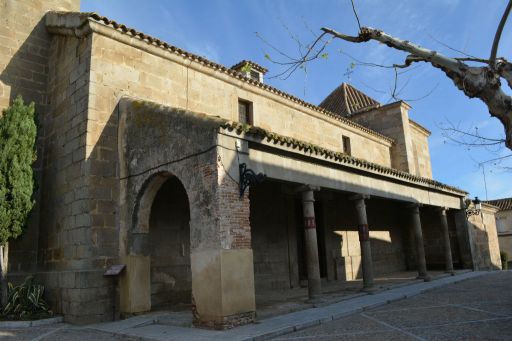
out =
column 25, row 301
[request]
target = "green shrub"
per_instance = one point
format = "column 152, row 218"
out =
column 504, row 260
column 25, row 301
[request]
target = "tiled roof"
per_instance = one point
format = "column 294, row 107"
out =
column 252, row 64
column 299, row 145
column 346, row 100
column 504, row 204
column 82, row 17
column 339, row 157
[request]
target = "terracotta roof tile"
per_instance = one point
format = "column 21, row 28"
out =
column 346, row 100
column 339, row 157
column 504, row 204
column 252, row 64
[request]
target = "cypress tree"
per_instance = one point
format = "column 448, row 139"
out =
column 17, row 154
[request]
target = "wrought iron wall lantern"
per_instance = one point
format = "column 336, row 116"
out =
column 248, row 178
column 473, row 207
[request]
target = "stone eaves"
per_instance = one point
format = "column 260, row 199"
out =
column 339, row 157
column 221, row 124
column 420, row 128
column 75, row 24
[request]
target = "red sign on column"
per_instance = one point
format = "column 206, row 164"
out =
column 364, row 233
column 309, row 223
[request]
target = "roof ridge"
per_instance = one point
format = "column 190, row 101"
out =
column 346, row 100
column 219, row 67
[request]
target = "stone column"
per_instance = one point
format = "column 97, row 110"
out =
column 364, row 240
column 313, row 267
column 420, row 249
column 446, row 241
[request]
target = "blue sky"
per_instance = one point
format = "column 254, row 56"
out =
column 224, row 31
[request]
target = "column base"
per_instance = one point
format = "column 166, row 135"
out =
column 226, row 322
column 315, row 300
column 451, row 272
column 425, row 278
column 369, row 290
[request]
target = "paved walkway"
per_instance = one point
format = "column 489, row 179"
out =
column 270, row 303
column 474, row 309
column 477, row 309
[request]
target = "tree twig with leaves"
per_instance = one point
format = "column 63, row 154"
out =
column 17, row 154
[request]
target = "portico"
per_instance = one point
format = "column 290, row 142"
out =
column 339, row 227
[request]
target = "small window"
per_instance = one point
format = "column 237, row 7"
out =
column 245, row 112
column 255, row 75
column 346, row 145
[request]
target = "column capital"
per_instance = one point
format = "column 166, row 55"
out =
column 414, row 205
column 358, row 197
column 306, row 188
column 441, row 209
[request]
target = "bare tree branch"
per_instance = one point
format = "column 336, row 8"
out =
column 464, row 137
column 355, row 14
column 480, row 82
column 497, row 36
column 449, row 47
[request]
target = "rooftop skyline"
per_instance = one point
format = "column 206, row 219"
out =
column 224, row 32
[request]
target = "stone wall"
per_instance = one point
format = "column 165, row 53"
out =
column 274, row 242
column 392, row 120
column 71, row 254
column 25, row 49
column 24, row 66
column 433, row 239
column 120, row 69
column 342, row 237
column 421, row 153
column 504, row 227
column 158, row 142
column 504, row 221
column 482, row 229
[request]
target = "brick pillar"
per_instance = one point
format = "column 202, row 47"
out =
column 313, row 266
column 446, row 241
column 364, row 240
column 418, row 236
column 222, row 261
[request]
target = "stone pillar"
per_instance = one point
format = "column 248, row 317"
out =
column 446, row 241
column 313, row 266
column 420, row 249
column 364, row 240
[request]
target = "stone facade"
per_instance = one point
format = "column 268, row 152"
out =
column 482, row 228
column 504, row 227
column 140, row 159
column 504, row 224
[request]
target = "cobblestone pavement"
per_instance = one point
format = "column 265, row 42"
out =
column 476, row 309
column 57, row 332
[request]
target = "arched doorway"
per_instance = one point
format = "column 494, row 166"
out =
column 169, row 246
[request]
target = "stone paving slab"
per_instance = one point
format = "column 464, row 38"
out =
column 469, row 314
column 28, row 324
column 143, row 327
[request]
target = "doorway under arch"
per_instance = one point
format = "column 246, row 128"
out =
column 169, row 247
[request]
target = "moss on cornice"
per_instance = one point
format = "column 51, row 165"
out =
column 328, row 154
